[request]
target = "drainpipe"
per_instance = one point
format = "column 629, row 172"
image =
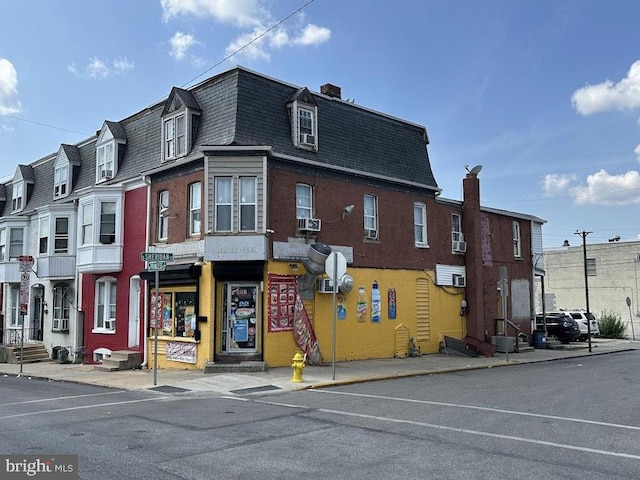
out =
column 145, row 353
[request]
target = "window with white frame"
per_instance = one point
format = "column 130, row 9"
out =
column 3, row 243
column 195, row 201
column 61, row 235
column 175, row 137
column 370, row 217
column 87, row 223
column 14, row 294
column 105, row 315
column 107, row 222
column 456, row 228
column 43, row 234
column 61, row 181
column 163, row 217
column 248, row 204
column 61, row 302
column 105, row 161
column 223, row 203
column 591, row 267
column 517, row 244
column 420, row 224
column 16, row 242
column 304, row 201
column 306, row 121
column 17, row 196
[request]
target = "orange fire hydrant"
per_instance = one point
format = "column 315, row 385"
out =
column 297, row 365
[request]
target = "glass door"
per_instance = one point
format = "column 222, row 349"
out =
column 240, row 317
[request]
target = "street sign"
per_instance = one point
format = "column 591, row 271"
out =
column 26, row 263
column 335, row 265
column 156, row 266
column 156, row 257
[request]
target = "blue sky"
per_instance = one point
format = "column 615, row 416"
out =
column 544, row 94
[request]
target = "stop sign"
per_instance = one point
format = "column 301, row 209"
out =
column 335, row 265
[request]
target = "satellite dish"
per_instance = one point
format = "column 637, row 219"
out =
column 476, row 170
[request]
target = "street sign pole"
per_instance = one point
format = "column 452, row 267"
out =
column 26, row 265
column 155, row 330
column 336, row 266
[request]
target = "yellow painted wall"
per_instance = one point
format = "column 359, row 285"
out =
column 365, row 340
column 204, row 350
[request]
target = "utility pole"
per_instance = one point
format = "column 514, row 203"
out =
column 584, row 234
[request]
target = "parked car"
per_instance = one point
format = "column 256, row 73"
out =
column 583, row 318
column 559, row 325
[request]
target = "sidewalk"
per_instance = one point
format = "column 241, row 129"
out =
column 279, row 379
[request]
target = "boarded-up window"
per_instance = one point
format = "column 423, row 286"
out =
column 423, row 318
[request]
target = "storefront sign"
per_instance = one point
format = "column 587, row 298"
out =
column 181, row 352
column 299, row 251
column 235, row 248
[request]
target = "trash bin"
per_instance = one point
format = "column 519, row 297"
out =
column 540, row 339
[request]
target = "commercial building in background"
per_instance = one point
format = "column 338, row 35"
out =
column 611, row 278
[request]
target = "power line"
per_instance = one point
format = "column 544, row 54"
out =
column 44, row 124
column 255, row 39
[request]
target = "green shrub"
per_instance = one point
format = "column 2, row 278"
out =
column 611, row 325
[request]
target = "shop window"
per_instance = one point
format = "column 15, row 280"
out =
column 174, row 314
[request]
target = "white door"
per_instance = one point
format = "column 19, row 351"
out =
column 240, row 322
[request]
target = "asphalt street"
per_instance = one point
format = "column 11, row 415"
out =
column 572, row 418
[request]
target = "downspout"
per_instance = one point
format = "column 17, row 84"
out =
column 145, row 355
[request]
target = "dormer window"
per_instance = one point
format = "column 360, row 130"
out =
column 109, row 147
column 304, row 119
column 175, row 137
column 17, row 197
column 105, row 161
column 179, row 123
column 61, row 181
column 68, row 157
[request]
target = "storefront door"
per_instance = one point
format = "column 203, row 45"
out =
column 240, row 317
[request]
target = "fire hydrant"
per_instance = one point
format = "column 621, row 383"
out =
column 297, row 365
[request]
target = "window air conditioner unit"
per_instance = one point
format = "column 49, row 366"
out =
column 307, row 139
column 309, row 224
column 110, row 324
column 371, row 234
column 106, row 174
column 460, row 247
column 324, row 285
column 61, row 324
column 459, row 280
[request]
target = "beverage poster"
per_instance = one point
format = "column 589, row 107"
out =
column 282, row 302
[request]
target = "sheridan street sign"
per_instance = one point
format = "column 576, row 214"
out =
column 156, row 257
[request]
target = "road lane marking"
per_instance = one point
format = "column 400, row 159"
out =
column 53, row 399
column 454, row 429
column 83, row 407
column 485, row 409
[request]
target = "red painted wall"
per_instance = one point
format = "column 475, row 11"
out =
column 134, row 242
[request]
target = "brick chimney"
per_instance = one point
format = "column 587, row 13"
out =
column 472, row 228
column 331, row 90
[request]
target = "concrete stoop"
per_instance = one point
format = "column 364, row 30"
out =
column 120, row 360
column 31, row 353
column 241, row 367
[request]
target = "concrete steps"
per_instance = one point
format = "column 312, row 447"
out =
column 241, row 367
column 120, row 360
column 31, row 353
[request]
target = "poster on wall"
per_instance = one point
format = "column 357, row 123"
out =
column 391, row 301
column 155, row 310
column 282, row 302
column 181, row 352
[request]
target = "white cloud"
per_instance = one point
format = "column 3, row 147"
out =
column 180, row 43
column 605, row 96
column 97, row 68
column 605, row 189
column 313, row 35
column 122, row 65
column 242, row 13
column 248, row 15
column 555, row 184
column 9, row 103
